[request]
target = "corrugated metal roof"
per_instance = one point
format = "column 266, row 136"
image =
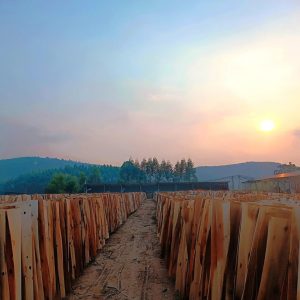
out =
column 278, row 176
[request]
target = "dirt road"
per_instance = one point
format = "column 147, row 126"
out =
column 129, row 266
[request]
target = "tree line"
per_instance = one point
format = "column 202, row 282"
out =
column 65, row 183
column 152, row 171
column 147, row 171
column 72, row 179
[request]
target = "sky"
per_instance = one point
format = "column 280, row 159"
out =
column 102, row 81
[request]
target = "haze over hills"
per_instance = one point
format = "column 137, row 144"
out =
column 248, row 169
column 33, row 174
column 14, row 167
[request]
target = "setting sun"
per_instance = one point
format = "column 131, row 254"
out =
column 267, row 125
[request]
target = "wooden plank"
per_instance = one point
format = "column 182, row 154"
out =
column 182, row 264
column 27, row 259
column 59, row 251
column 43, row 246
column 46, row 243
column 5, row 293
column 14, row 224
column 227, row 259
column 276, row 259
column 70, row 240
column 247, row 228
column 219, row 246
column 291, row 289
column 231, row 265
column 38, row 277
column 297, row 225
column 202, row 243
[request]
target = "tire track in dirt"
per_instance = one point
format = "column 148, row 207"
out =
column 129, row 266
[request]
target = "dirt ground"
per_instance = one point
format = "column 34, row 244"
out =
column 129, row 266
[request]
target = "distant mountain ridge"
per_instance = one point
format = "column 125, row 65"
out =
column 14, row 167
column 31, row 175
column 254, row 170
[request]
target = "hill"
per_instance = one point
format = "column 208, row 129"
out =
column 248, row 169
column 14, row 167
column 32, row 174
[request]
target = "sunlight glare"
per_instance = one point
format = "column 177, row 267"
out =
column 267, row 125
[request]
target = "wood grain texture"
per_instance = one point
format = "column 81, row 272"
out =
column 47, row 240
column 231, row 245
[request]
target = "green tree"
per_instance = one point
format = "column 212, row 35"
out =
column 155, row 170
column 129, row 172
column 57, row 184
column 82, row 181
column 190, row 172
column 182, row 170
column 163, row 171
column 142, row 173
column 177, row 172
column 149, row 170
column 94, row 176
column 71, row 184
column 137, row 163
column 63, row 183
column 143, row 165
column 169, row 171
column 143, row 169
column 38, row 181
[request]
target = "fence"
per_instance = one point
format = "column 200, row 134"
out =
column 151, row 188
column 224, row 245
column 47, row 240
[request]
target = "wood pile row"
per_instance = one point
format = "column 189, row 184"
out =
column 47, row 240
column 231, row 245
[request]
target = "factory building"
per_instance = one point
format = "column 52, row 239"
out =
column 280, row 183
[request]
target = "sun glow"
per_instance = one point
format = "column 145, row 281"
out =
column 267, row 125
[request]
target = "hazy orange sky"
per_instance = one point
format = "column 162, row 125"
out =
column 101, row 82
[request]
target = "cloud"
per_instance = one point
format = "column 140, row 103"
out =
column 296, row 133
column 205, row 101
column 20, row 139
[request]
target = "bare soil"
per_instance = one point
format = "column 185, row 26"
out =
column 129, row 266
